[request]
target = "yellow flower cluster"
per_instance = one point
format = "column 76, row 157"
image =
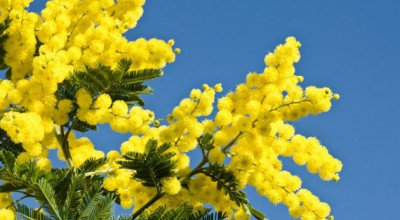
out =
column 251, row 127
column 26, row 128
column 182, row 131
column 6, row 212
column 252, row 130
column 42, row 50
column 131, row 192
column 21, row 42
column 121, row 119
column 81, row 149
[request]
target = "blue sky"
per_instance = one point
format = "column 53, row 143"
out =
column 350, row 46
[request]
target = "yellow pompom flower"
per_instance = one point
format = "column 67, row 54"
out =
column 65, row 105
column 216, row 156
column 218, row 87
column 119, row 108
column 24, row 157
column 177, row 50
column 223, row 118
column 336, row 96
column 44, row 164
column 195, row 94
column 7, row 214
column 5, row 200
column 171, row 185
column 84, row 98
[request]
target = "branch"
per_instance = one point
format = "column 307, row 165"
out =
column 64, row 146
column 288, row 104
column 148, row 204
column 232, row 142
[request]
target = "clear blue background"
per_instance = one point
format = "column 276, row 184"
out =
column 351, row 46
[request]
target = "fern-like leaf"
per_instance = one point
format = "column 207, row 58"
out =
column 93, row 203
column 120, row 83
column 103, row 209
column 226, row 181
column 82, row 126
column 7, row 144
column 140, row 76
column 91, row 164
column 8, row 159
column 44, row 193
column 182, row 212
column 74, row 196
column 10, row 187
column 151, row 166
column 30, row 214
column 254, row 212
column 206, row 141
column 154, row 215
column 122, row 217
column 3, row 37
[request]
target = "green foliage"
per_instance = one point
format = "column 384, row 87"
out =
column 3, row 37
column 206, row 141
column 254, row 212
column 82, row 126
column 226, row 181
column 152, row 165
column 94, row 205
column 184, row 211
column 30, row 214
column 91, row 164
column 7, row 144
column 119, row 83
column 63, row 193
column 45, row 195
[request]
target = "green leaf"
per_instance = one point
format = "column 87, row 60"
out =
column 184, row 211
column 103, row 209
column 8, row 159
column 140, row 76
column 94, row 205
column 250, row 210
column 92, row 164
column 206, row 141
column 213, row 216
column 122, row 68
column 120, row 83
column 45, row 195
column 59, row 179
column 30, row 214
column 122, row 217
column 74, row 196
column 10, row 187
column 28, row 172
column 151, row 166
column 82, row 126
column 227, row 182
column 3, row 37
column 7, row 144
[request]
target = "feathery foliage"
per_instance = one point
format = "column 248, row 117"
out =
column 30, row 214
column 120, row 83
column 184, row 211
column 152, row 165
column 3, row 37
column 226, row 181
column 7, row 144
